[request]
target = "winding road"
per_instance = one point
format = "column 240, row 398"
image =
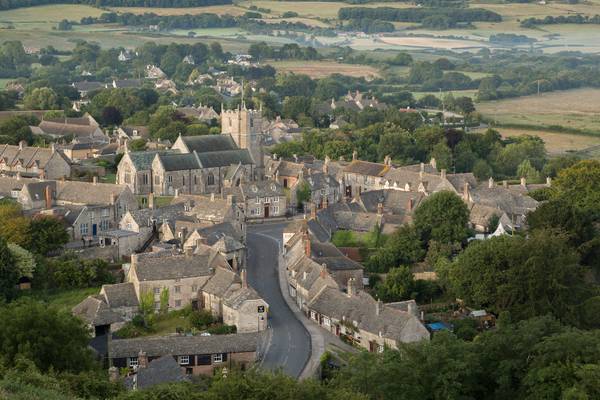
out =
column 289, row 346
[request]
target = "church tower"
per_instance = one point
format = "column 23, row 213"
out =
column 245, row 127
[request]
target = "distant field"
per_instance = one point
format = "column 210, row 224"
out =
column 577, row 109
column 556, row 143
column 315, row 9
column 320, row 69
column 455, row 93
column 220, row 10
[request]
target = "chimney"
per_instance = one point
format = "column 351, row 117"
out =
column 296, row 157
column 422, row 168
column 410, row 204
column 229, row 199
column 189, row 251
column 18, row 175
column 466, row 192
column 491, row 182
column 176, row 193
column 354, row 155
column 351, row 290
column 113, row 198
column 548, row 181
column 212, row 197
column 113, row 374
column 387, row 161
column 378, row 307
column 313, row 210
column 48, row 195
column 142, row 360
column 243, row 275
column 505, row 184
column 523, row 182
column 412, row 308
column 380, row 208
column 53, row 147
column 443, row 174
column 323, row 273
column 326, row 202
column 433, row 163
column 306, row 240
column 22, row 144
column 95, row 180
column 151, row 201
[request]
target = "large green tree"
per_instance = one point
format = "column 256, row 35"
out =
column 9, row 272
column 442, row 217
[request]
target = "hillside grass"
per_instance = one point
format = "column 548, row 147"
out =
column 320, row 69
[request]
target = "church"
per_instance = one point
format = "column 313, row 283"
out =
column 200, row 164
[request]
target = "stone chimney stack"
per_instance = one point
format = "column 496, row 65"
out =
column 18, row 175
column 380, row 208
column 323, row 273
column 151, row 201
column 443, row 174
column 354, row 155
column 378, row 307
column 351, row 290
column 113, row 198
column 313, row 210
column 433, row 163
column 229, row 199
column 505, row 184
column 412, row 308
column 244, row 276
column 523, row 182
column 142, row 359
column 491, row 182
column 548, row 181
column 466, row 195
column 95, row 180
column 306, row 241
column 22, row 144
column 409, row 204
column 48, row 196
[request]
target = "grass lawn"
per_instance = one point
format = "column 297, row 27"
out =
column 3, row 82
column 64, row 299
column 109, row 178
column 575, row 109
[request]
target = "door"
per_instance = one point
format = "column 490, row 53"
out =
column 267, row 210
column 94, row 229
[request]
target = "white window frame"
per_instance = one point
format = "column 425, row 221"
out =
column 184, row 360
column 275, row 209
column 217, row 358
column 132, row 362
column 276, row 199
column 177, row 303
column 157, row 290
column 177, row 289
column 83, row 229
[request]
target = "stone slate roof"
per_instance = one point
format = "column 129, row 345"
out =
column 94, row 311
column 224, row 158
column 209, row 143
column 205, row 208
column 216, row 232
column 27, row 156
column 88, row 193
column 160, row 214
column 161, row 370
column 184, row 345
column 366, row 168
column 361, row 308
column 227, row 244
column 236, row 298
column 86, row 86
column 507, row 200
column 142, row 130
column 61, row 129
column 7, row 185
column 221, row 281
column 355, row 221
column 179, row 162
column 128, row 83
column 142, row 160
column 320, row 180
column 120, row 295
column 166, row 265
column 394, row 201
column 252, row 190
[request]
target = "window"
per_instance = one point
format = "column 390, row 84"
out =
column 326, row 321
column 194, row 288
column 132, row 362
column 184, row 360
column 128, row 226
column 156, row 290
column 145, row 179
column 195, row 180
column 105, row 212
column 258, row 200
column 156, row 180
column 275, row 210
column 276, row 199
column 127, row 177
column 177, row 303
column 83, row 229
column 380, row 348
column 157, row 305
column 104, row 225
column 177, row 289
column 217, row 358
column 170, row 178
column 210, row 179
column 183, row 180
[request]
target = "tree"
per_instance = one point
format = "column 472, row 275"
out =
column 50, row 338
column 137, row 145
column 442, row 217
column 528, row 277
column 147, row 307
column 9, row 272
column 404, row 247
column 303, row 194
column 69, row 272
column 47, row 234
column 42, row 99
column 23, row 259
column 111, row 116
column 398, row 285
column 164, row 300
column 14, row 227
column 579, row 185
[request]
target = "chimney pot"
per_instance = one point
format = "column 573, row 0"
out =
column 95, row 180
column 491, row 182
column 351, row 290
column 244, row 276
column 523, row 182
column 380, row 208
column 409, row 206
column 433, row 163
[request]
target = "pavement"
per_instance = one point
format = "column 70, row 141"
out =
column 287, row 345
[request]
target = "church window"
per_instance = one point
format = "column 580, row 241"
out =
column 210, row 179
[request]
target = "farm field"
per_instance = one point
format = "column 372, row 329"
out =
column 220, row 10
column 556, row 143
column 315, row 9
column 432, row 42
column 320, row 69
column 455, row 93
column 575, row 109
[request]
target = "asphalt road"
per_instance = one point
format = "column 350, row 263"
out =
column 289, row 347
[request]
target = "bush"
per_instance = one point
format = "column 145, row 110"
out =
column 221, row 329
column 201, row 319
